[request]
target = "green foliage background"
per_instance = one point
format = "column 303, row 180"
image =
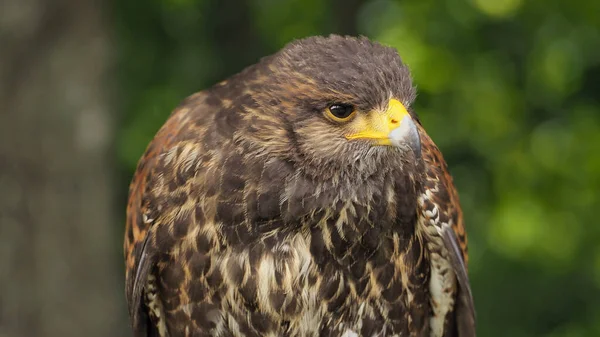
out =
column 508, row 89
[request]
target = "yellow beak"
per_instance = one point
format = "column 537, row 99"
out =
column 391, row 127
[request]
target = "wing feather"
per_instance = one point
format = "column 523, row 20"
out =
column 464, row 307
column 142, row 212
column 441, row 208
column 137, row 311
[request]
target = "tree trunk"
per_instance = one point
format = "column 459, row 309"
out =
column 59, row 261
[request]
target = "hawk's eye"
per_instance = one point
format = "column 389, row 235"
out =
column 340, row 112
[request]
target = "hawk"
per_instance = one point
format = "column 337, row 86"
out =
column 300, row 197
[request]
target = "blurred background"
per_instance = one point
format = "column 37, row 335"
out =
column 508, row 89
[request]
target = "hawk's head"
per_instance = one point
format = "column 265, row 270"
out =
column 335, row 104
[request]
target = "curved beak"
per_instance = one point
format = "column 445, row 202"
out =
column 393, row 127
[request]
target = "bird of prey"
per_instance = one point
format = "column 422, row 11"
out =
column 300, row 197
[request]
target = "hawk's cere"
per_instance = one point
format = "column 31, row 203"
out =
column 300, row 197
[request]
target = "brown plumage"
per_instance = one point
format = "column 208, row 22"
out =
column 300, row 197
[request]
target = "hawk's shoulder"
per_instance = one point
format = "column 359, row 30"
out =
column 159, row 202
column 443, row 227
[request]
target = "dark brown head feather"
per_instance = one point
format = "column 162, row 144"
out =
column 366, row 71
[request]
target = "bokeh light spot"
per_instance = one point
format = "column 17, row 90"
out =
column 498, row 8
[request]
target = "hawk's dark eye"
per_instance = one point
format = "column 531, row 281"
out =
column 340, row 112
